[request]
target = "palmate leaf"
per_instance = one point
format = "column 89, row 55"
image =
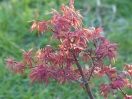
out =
column 105, row 89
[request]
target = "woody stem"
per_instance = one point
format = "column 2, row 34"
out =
column 83, row 77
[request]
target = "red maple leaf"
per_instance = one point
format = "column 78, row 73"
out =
column 105, row 89
column 118, row 83
column 28, row 59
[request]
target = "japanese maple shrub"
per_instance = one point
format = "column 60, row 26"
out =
column 62, row 63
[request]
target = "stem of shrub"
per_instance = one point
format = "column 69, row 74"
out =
column 83, row 77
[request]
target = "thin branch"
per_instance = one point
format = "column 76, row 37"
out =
column 51, row 29
column 92, row 70
column 83, row 76
column 122, row 92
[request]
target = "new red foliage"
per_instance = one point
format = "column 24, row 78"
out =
column 62, row 63
column 105, row 89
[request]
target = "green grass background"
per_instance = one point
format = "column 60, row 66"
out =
column 113, row 15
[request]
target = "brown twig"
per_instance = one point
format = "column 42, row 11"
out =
column 122, row 92
column 92, row 70
column 83, row 76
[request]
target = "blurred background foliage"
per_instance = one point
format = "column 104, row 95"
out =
column 113, row 15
